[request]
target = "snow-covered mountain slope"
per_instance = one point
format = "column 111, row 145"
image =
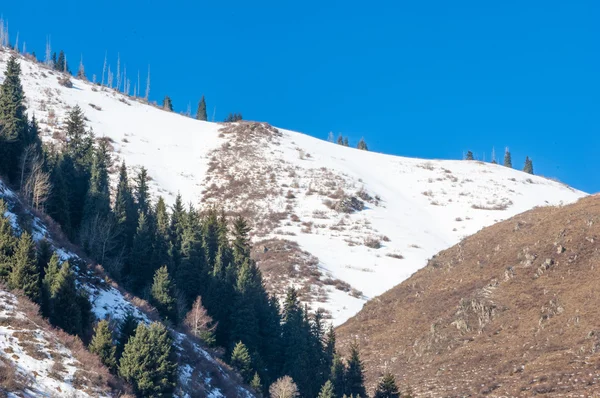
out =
column 304, row 196
column 45, row 367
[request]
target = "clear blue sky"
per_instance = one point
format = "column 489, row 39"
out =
column 415, row 78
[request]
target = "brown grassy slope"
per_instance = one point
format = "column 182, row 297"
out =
column 512, row 310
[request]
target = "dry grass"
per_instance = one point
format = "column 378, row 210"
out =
column 509, row 311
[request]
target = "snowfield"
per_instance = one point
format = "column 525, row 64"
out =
column 413, row 208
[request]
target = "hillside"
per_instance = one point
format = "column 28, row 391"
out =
column 509, row 311
column 40, row 360
column 340, row 224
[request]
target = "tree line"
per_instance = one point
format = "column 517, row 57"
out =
column 527, row 167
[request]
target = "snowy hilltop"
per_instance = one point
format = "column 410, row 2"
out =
column 340, row 224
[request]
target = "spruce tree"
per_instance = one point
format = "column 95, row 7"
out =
column 327, row 390
column 362, row 145
column 386, row 388
column 355, row 379
column 98, row 196
column 124, row 211
column 201, row 113
column 140, row 267
column 50, row 273
column 340, row 140
column 103, row 346
column 338, row 376
column 240, row 360
column 528, row 168
column 25, row 274
column 167, row 104
column 507, row 158
column 148, row 362
column 58, row 203
column 60, row 62
column 7, row 243
column 346, row 141
column 13, row 120
column 191, row 272
column 65, row 302
column 469, row 155
column 79, row 140
column 127, row 327
column 256, row 384
column 162, row 244
column 162, row 294
column 142, row 191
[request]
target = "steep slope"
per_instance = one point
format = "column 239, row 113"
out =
column 510, row 311
column 29, row 345
column 342, row 225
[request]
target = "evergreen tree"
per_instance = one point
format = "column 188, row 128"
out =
column 148, row 362
column 162, row 294
column 362, row 145
column 124, row 212
column 177, row 227
column 7, row 243
column 103, row 346
column 256, row 383
column 387, row 387
column 50, row 273
column 13, row 120
column 201, row 113
column 140, row 261
column 327, row 390
column 80, row 142
column 167, row 104
column 340, row 140
column 240, row 360
column 162, row 243
column 97, row 201
column 127, row 327
column 142, row 191
column 528, row 168
column 507, row 158
column 66, row 302
column 60, row 64
column 469, row 155
column 241, row 240
column 338, row 376
column 25, row 274
column 355, row 379
column 58, row 205
column 191, row 272
column 346, row 141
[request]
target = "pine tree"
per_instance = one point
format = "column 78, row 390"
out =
column 124, row 212
column 7, row 243
column 191, row 272
column 140, row 267
column 355, row 379
column 25, row 274
column 142, row 191
column 469, row 155
column 57, row 206
column 60, row 62
column 362, row 145
column 162, row 294
column 65, row 301
column 338, row 376
column 201, row 113
column 256, row 384
column 387, row 387
column 148, row 362
column 507, row 158
column 528, row 168
column 50, row 273
column 162, row 243
column 327, row 390
column 79, row 140
column 346, row 141
column 127, row 327
column 241, row 240
column 13, row 120
column 240, row 360
column 103, row 346
column 167, row 104
column 98, row 195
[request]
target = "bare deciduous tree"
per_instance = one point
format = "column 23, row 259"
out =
column 199, row 322
column 148, row 85
column 48, row 55
column 104, row 68
column 284, row 387
column 35, row 182
column 98, row 236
